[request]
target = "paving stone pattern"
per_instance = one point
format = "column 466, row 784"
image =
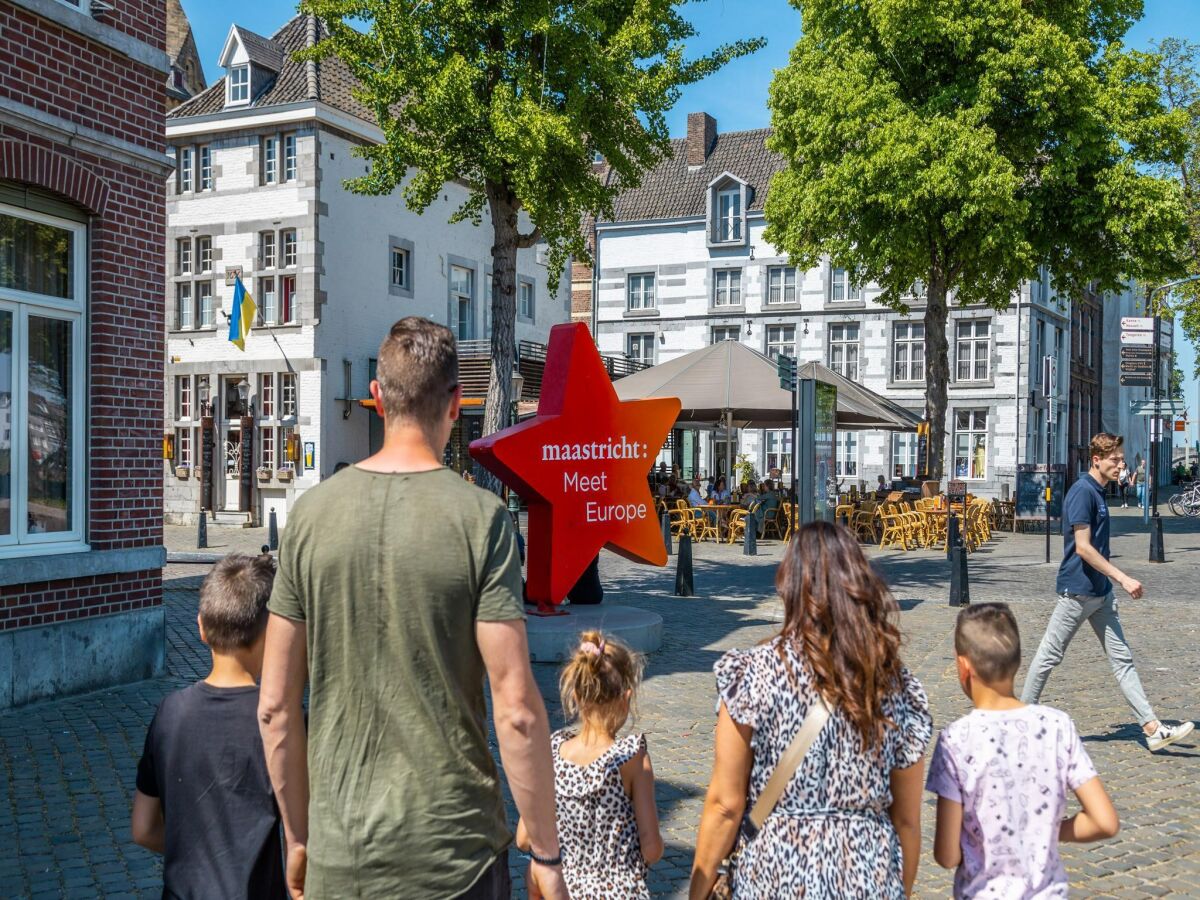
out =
column 67, row 767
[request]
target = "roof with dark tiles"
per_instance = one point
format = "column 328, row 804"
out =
column 672, row 189
column 334, row 81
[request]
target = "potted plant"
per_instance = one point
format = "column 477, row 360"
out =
column 285, row 472
column 182, row 471
column 264, row 473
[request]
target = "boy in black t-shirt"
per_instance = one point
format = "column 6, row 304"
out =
column 204, row 798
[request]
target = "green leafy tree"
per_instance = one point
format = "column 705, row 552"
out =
column 958, row 145
column 515, row 100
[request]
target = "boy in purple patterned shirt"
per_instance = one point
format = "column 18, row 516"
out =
column 1002, row 774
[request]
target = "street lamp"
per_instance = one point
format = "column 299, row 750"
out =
column 243, row 389
column 202, row 390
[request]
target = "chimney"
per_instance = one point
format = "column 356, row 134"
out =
column 701, row 135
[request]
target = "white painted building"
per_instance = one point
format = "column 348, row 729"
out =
column 683, row 263
column 261, row 160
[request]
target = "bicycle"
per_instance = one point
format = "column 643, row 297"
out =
column 1186, row 502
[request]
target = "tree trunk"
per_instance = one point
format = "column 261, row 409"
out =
column 937, row 371
column 497, row 412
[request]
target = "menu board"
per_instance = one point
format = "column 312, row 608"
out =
column 824, row 445
column 1031, row 490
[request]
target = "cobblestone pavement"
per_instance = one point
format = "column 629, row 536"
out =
column 67, row 767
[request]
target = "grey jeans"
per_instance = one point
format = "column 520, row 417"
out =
column 1069, row 614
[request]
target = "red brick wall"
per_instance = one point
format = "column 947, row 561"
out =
column 581, row 290
column 49, row 68
column 77, row 598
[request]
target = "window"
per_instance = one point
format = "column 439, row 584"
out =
column 973, row 344
column 206, row 172
column 287, row 299
column 840, row 288
column 640, row 291
column 843, row 349
column 183, row 256
column 183, row 446
column 970, row 444
column 183, row 397
column 266, row 395
column 904, row 455
column 266, row 448
column 727, row 287
column 42, row 367
column 186, row 174
column 289, row 158
column 641, row 348
column 908, row 358
column 725, row 333
column 399, row 267
column 525, row 300
column 781, row 284
column 1039, row 351
column 239, row 84
column 781, row 341
column 462, row 301
column 204, row 254
column 204, row 302
column 267, row 309
column 729, row 215
column 288, row 239
column 270, row 158
column 266, row 249
column 779, row 451
column 287, row 395
column 183, row 305
column 847, row 454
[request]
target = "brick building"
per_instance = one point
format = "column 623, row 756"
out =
column 81, row 342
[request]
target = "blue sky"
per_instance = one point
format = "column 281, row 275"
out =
column 737, row 95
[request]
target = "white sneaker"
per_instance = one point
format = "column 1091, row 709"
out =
column 1168, row 734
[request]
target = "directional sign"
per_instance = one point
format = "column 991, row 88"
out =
column 1135, row 380
column 1137, row 323
column 1138, row 337
column 1137, row 365
column 1168, row 409
column 1137, row 352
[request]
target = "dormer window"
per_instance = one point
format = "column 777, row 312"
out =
column 728, row 197
column 239, row 84
column 729, row 214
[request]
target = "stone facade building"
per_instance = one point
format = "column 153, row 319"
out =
column 81, row 344
column 186, row 78
column 262, row 157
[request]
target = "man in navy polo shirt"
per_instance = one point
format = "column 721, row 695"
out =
column 1085, row 593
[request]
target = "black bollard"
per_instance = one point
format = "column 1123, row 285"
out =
column 265, row 549
column 666, row 530
column 953, row 536
column 750, row 539
column 684, row 587
column 202, row 532
column 1156, row 539
column 960, row 587
column 273, row 530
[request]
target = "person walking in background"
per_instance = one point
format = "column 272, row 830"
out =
column 1123, row 482
column 1139, row 481
column 1085, row 593
column 398, row 615
column 848, row 823
column 607, row 818
column 1002, row 773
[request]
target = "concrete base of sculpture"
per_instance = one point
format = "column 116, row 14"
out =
column 553, row 638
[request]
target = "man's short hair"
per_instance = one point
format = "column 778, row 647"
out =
column 1104, row 444
column 233, row 601
column 417, row 370
column 987, row 635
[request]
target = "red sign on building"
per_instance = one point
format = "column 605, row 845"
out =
column 581, row 465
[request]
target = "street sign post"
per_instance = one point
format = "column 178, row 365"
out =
column 1137, row 337
column 1050, row 392
column 1163, row 409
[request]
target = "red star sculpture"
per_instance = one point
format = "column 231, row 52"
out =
column 582, row 465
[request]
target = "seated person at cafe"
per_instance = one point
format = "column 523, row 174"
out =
column 696, row 500
column 720, row 493
column 749, row 494
column 769, row 501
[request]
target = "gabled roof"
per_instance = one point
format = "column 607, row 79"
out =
column 261, row 51
column 332, row 82
column 672, row 190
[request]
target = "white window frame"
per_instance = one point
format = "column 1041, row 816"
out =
column 727, row 287
column 778, row 344
column 184, row 305
column 719, row 333
column 464, row 326
column 237, row 91
column 290, row 166
column 204, row 254
column 401, row 272
column 777, row 450
column 185, row 443
column 286, row 314
column 270, row 157
column 846, row 456
column 840, row 362
column 639, row 291
column 641, row 340
column 525, row 300
column 972, row 349
column 839, row 284
column 903, row 364
column 729, row 215
column 267, row 309
column 206, row 313
column 183, row 398
column 267, row 242
column 781, row 284
column 206, row 170
column 289, row 241
column 183, row 256
column 22, row 305
column 266, row 395
column 974, row 430
column 288, row 386
column 187, row 173
column 904, row 453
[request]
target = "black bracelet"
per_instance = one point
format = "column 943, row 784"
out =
column 546, row 860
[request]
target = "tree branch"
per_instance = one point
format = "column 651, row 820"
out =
column 524, row 241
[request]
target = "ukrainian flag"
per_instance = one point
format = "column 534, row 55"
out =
column 242, row 316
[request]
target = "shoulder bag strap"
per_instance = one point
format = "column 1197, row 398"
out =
column 814, row 721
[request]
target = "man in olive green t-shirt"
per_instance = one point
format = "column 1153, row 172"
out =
column 399, row 587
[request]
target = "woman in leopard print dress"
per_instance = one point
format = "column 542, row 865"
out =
column 848, row 823
column 604, row 787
